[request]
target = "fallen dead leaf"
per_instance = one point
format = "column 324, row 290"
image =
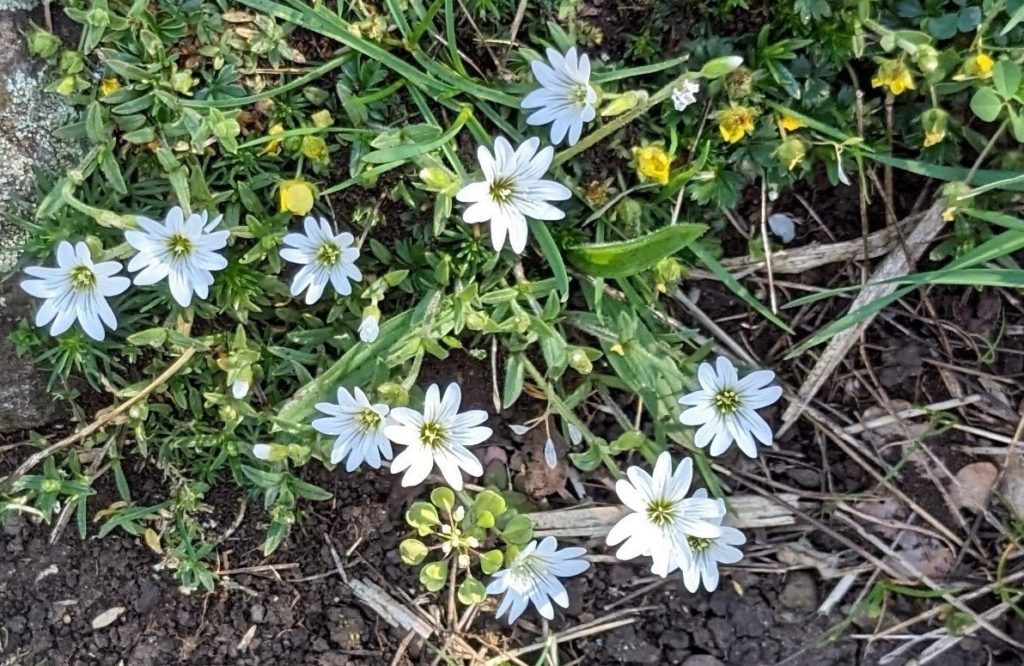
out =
column 107, row 617
column 971, row 486
column 539, row 479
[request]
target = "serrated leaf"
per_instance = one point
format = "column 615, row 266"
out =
column 625, row 258
column 413, row 551
column 986, row 104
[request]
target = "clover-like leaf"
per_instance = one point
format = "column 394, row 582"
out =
column 490, row 502
column 434, row 575
column 422, row 516
column 491, row 561
column 471, row 592
column 413, row 551
column 986, row 104
column 519, row 530
column 443, row 498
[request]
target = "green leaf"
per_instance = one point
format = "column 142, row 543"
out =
column 519, row 530
column 406, row 152
column 1016, row 18
column 309, row 491
column 1007, row 180
column 986, row 104
column 550, row 251
column 422, row 516
column 1006, row 78
column 726, row 277
column 471, row 592
column 355, row 366
column 491, row 561
column 624, row 258
column 434, row 575
column 627, row 441
column 514, row 375
column 413, row 551
column 719, row 67
column 489, row 501
column 443, row 498
column 153, row 337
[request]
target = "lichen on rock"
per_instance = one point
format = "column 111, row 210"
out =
column 29, row 116
column 17, row 5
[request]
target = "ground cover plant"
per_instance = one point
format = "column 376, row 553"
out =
column 557, row 267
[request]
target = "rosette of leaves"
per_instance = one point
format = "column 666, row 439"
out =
column 458, row 537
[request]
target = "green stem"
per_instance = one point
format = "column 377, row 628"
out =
column 987, row 149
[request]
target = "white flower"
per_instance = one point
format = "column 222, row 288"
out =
column 512, row 190
column 76, row 289
column 263, row 451
column 369, row 328
column 685, row 94
column 662, row 517
column 707, row 553
column 533, row 577
column 326, row 257
column 725, row 407
column 439, row 435
column 239, row 389
column 183, row 251
column 359, row 427
column 565, row 99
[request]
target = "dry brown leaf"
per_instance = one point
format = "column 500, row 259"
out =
column 537, row 477
column 972, row 485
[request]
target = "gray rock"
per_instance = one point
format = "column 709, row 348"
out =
column 28, row 119
column 800, row 593
column 703, row 660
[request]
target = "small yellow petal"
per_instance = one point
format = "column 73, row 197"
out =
column 296, row 196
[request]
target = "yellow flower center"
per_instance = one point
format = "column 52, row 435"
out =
column 727, row 401
column 432, row 435
column 82, row 278
column 180, row 246
column 368, row 420
column 501, row 190
column 328, row 254
column 697, row 544
column 661, row 512
column 578, row 95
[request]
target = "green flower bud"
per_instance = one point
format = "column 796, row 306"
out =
column 315, row 148
column 791, row 152
column 627, row 101
column 41, row 43
column 182, row 81
column 393, row 393
column 934, row 122
column 282, row 515
column 476, row 321
column 667, row 273
column 439, row 179
column 98, row 18
column 739, row 83
column 95, row 246
column 72, row 62
column 580, row 362
column 322, row 118
column 50, row 486
column 139, row 411
column 926, row 58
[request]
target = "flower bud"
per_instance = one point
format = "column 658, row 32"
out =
column 296, row 196
column 719, row 67
column 476, row 321
column 580, row 362
column 934, row 123
column 739, row 83
column 393, row 393
column 315, row 148
column 439, row 179
column 667, row 273
column 627, row 101
column 182, row 81
column 926, row 58
column 41, row 43
column 791, row 152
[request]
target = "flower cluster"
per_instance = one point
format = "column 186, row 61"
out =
column 184, row 251
column 437, row 436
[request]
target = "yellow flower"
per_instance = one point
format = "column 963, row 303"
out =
column 894, row 75
column 979, row 66
column 789, row 123
column 322, row 118
column 315, row 148
column 736, row 122
column 109, row 86
column 297, row 196
column 273, row 146
column 652, row 163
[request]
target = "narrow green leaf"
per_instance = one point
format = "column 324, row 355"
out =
column 624, row 258
column 550, row 251
column 1008, row 180
column 726, row 277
